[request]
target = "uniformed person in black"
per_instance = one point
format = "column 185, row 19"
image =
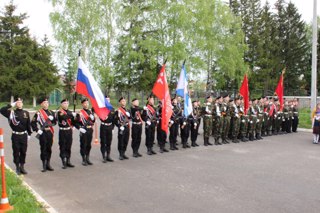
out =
column 42, row 123
column 19, row 121
column 122, row 118
column 66, row 120
column 84, row 122
column 161, row 134
column 137, row 122
column 106, row 130
column 174, row 124
column 295, row 120
column 194, row 123
column 150, row 117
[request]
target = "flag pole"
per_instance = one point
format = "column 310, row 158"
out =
column 314, row 89
column 75, row 92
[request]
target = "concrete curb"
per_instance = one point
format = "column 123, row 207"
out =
column 38, row 197
column 304, row 130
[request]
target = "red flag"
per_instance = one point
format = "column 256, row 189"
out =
column 244, row 92
column 161, row 90
column 279, row 91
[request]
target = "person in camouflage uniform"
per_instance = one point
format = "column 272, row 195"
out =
column 278, row 119
column 243, row 123
column 285, row 117
column 252, row 120
column 235, row 120
column 225, row 112
column 218, row 121
column 257, row 105
column 207, row 120
column 295, row 120
column 271, row 115
column 264, row 106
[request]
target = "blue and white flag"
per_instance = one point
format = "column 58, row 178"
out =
column 182, row 90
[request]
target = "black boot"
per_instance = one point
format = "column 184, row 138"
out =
column 84, row 160
column 251, row 137
column 153, row 152
column 108, row 157
column 172, row 146
column 195, row 143
column 124, row 156
column 88, row 160
column 139, row 155
column 69, row 164
column 64, row 163
column 149, row 151
column 104, row 159
column 135, row 154
column 18, row 171
column 205, row 141
column 22, row 170
column 121, row 156
column 44, row 166
column 216, row 141
column 49, row 167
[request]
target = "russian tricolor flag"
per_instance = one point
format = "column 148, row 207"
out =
column 87, row 86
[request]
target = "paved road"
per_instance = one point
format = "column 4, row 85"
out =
column 278, row 174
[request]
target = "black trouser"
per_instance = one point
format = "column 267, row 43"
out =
column 65, row 143
column 184, row 134
column 136, row 137
column 289, row 124
column 19, row 148
column 194, row 133
column 46, row 141
column 150, row 132
column 295, row 123
column 85, row 142
column 105, row 138
column 173, row 133
column 161, row 136
column 123, row 138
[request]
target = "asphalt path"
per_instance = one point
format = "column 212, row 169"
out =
column 277, row 174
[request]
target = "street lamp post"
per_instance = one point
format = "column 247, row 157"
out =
column 314, row 89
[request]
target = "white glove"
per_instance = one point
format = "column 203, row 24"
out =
column 128, row 114
column 251, row 122
column 145, row 108
column 82, row 130
column 148, row 122
column 73, row 128
column 243, row 121
column 258, row 120
column 92, row 117
column 50, row 117
column 29, row 137
column 283, row 119
column 195, row 124
column 74, row 114
column 184, row 123
column 121, row 128
column 40, row 132
column 171, row 121
column 13, row 104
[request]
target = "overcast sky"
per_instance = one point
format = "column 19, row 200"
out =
column 39, row 24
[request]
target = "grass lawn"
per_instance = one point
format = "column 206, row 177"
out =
column 304, row 118
column 20, row 197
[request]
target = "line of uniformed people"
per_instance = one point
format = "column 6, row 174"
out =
column 223, row 118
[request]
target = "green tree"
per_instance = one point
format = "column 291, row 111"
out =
column 26, row 69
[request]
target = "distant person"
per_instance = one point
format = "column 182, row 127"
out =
column 316, row 123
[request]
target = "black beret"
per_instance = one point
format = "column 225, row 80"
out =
column 225, row 95
column 263, row 97
column 231, row 100
column 218, row 97
column 107, row 96
column 259, row 98
column 150, row 96
column 208, row 96
column 84, row 100
column 18, row 99
column 42, row 99
column 121, row 98
column 237, row 98
column 194, row 101
column 134, row 100
column 64, row 100
column 270, row 98
column 275, row 99
column 253, row 99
